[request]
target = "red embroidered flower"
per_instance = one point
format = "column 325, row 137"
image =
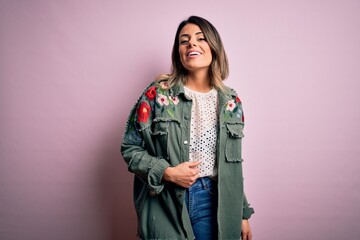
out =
column 238, row 99
column 151, row 93
column 143, row 112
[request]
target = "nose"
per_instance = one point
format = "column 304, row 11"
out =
column 192, row 42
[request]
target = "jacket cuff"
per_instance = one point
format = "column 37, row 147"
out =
column 247, row 212
column 156, row 172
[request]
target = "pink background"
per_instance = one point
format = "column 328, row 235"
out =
column 71, row 70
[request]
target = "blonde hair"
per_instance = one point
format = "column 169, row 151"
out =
column 219, row 67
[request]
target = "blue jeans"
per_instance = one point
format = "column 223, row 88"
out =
column 201, row 201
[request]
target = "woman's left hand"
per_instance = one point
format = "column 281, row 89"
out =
column 245, row 230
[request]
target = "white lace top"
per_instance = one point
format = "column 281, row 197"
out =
column 203, row 135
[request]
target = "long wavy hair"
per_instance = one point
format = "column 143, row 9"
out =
column 219, row 67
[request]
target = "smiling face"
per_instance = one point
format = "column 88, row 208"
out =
column 195, row 53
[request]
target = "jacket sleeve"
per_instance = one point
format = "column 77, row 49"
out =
column 247, row 210
column 137, row 148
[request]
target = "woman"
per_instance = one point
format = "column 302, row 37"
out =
column 183, row 143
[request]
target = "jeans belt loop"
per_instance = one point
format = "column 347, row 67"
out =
column 203, row 183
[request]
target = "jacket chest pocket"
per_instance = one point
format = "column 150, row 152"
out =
column 160, row 136
column 233, row 142
column 163, row 131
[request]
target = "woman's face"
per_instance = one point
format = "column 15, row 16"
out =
column 195, row 52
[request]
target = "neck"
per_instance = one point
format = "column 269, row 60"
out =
column 199, row 81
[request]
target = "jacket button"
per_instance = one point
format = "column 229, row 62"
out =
column 187, row 117
column 185, row 142
column 180, row 195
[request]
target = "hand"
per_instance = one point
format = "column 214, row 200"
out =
column 245, row 230
column 184, row 174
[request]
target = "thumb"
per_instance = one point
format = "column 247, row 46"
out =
column 194, row 164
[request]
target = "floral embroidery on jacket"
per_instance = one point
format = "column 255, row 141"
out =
column 175, row 100
column 162, row 100
column 144, row 112
column 151, row 93
column 231, row 105
column 233, row 109
column 164, row 85
column 156, row 97
column 131, row 134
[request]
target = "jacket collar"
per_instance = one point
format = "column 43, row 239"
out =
column 177, row 89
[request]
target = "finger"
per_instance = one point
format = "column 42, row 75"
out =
column 194, row 164
column 198, row 175
column 195, row 177
column 195, row 171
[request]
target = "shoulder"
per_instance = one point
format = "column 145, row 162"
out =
column 233, row 109
column 156, row 96
column 157, row 92
column 232, row 93
column 153, row 89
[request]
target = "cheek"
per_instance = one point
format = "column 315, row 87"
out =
column 182, row 54
column 208, row 51
column 210, row 56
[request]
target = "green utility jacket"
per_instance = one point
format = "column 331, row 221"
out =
column 157, row 136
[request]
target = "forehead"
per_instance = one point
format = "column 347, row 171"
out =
column 190, row 29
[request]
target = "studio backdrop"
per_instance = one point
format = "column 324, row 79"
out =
column 70, row 71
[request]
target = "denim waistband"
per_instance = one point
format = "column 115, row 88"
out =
column 203, row 183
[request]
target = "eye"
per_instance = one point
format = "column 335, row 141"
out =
column 201, row 39
column 184, row 42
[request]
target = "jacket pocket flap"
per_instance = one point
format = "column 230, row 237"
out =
column 161, row 125
column 160, row 128
column 235, row 130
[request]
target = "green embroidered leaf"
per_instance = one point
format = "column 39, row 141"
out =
column 170, row 112
column 162, row 110
column 235, row 109
column 157, row 104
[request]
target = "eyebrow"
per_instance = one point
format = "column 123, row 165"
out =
column 188, row 35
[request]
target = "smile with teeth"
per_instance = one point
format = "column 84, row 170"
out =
column 193, row 54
